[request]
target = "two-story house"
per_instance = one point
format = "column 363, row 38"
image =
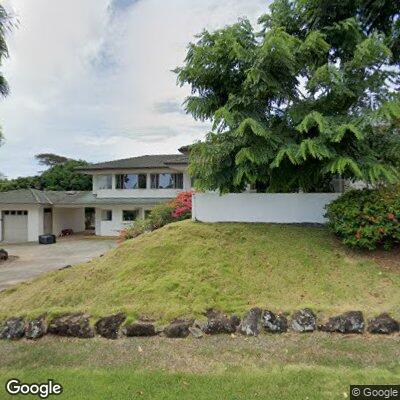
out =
column 123, row 191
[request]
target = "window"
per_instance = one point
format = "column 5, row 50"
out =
column 104, row 182
column 106, row 215
column 167, row 181
column 8, row 212
column 130, row 215
column 132, row 181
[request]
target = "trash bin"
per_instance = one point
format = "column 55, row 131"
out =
column 47, row 239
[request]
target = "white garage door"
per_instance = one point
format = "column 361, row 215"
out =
column 15, row 226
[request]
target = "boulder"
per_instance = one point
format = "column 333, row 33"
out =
column 274, row 323
column 250, row 325
column 140, row 329
column 74, row 325
column 13, row 329
column 108, row 327
column 304, row 321
column 36, row 328
column 218, row 322
column 383, row 324
column 177, row 329
column 3, row 255
column 349, row 322
column 235, row 321
column 196, row 332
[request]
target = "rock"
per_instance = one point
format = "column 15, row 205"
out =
column 304, row 321
column 177, row 329
column 274, row 323
column 218, row 322
column 74, row 325
column 13, row 329
column 235, row 321
column 3, row 255
column 108, row 327
column 36, row 328
column 140, row 329
column 349, row 322
column 383, row 324
column 250, row 325
column 196, row 332
column 65, row 267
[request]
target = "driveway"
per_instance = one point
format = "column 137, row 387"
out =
column 31, row 259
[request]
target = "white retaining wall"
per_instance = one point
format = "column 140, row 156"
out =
column 261, row 207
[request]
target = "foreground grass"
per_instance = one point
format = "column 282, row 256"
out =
column 289, row 366
column 186, row 267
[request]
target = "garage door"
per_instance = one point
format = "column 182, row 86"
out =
column 15, row 226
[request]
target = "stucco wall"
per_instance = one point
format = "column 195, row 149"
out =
column 260, row 207
column 114, row 227
column 35, row 220
column 68, row 218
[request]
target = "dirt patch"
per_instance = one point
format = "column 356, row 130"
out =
column 386, row 259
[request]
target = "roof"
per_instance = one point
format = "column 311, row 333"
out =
column 148, row 161
column 73, row 198
column 23, row 196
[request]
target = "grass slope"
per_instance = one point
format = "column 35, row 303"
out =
column 186, row 267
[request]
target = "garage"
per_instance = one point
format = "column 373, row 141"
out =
column 15, row 226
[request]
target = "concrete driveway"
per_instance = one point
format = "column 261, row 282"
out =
column 31, row 259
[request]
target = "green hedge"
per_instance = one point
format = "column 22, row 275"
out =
column 368, row 218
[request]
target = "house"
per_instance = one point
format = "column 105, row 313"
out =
column 123, row 191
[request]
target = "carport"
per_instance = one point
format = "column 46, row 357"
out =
column 27, row 213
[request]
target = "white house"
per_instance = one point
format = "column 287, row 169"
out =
column 123, row 191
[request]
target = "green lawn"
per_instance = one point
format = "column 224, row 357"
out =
column 184, row 268
column 289, row 366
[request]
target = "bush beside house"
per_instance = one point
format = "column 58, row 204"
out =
column 368, row 218
column 178, row 209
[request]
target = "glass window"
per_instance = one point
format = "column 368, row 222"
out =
column 106, row 215
column 130, row 215
column 104, row 182
column 131, row 181
column 167, row 181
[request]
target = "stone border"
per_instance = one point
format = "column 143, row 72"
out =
column 253, row 323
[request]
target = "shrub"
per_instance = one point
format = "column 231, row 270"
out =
column 137, row 228
column 367, row 218
column 160, row 215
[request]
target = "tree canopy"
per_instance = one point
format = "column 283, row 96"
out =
column 310, row 95
column 4, row 25
column 50, row 159
column 61, row 176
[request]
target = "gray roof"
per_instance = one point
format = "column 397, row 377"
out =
column 148, row 161
column 73, row 198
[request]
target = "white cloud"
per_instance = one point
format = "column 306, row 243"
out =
column 92, row 79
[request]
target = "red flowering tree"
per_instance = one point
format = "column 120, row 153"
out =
column 182, row 206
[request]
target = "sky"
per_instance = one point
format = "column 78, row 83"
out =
column 92, row 80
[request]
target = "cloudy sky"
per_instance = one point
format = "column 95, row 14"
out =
column 92, row 79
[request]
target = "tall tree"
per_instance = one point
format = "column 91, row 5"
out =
column 50, row 159
column 4, row 26
column 309, row 96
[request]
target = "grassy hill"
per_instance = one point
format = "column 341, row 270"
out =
column 186, row 267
